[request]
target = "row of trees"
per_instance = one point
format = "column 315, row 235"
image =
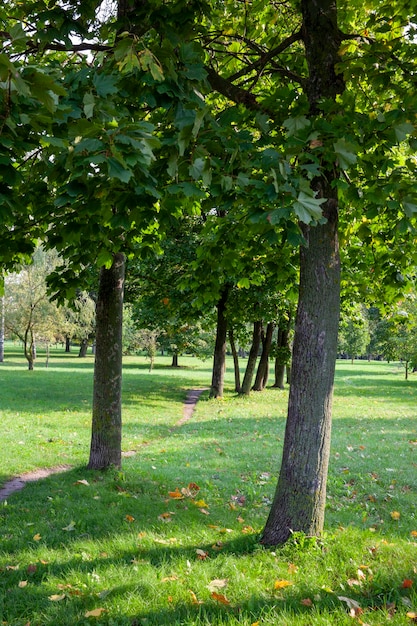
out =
column 280, row 125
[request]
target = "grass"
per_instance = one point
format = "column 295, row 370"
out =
column 116, row 544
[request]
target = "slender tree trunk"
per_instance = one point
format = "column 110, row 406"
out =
column 67, row 344
column 219, row 360
column 253, row 355
column 174, row 360
column 83, row 348
column 299, row 500
column 281, row 359
column 235, row 360
column 106, row 433
column 262, row 374
column 2, row 330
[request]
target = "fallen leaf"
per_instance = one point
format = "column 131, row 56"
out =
column 82, row 482
column 176, row 494
column 217, row 583
column 395, row 515
column 23, row 583
column 412, row 615
column 31, row 568
column 37, row 537
column 165, row 517
column 12, row 567
column 219, row 597
column 413, row 533
column 57, row 597
column 255, row 623
column 407, row 583
column 352, row 604
column 194, row 598
column 246, row 530
column 169, row 578
column 70, row 527
column 95, row 613
column 306, row 602
column 281, row 584
column 240, row 519
column 201, row 554
column 129, row 518
column 204, row 511
column 200, row 503
column 292, row 568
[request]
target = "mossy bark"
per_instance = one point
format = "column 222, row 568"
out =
column 105, row 450
column 300, row 496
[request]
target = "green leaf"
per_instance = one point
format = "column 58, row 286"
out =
column 89, row 103
column 308, row 208
column 346, row 153
column 118, row 170
column 403, row 130
column 294, row 124
column 105, row 84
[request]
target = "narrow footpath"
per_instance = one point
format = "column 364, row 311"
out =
column 17, row 483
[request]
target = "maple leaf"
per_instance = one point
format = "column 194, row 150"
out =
column 23, row 583
column 201, row 554
column 281, row 584
column 306, row 602
column 412, row 615
column 165, row 517
column 200, row 503
column 407, row 583
column 219, row 597
column 37, row 537
column 95, row 613
column 395, row 515
column 413, row 533
column 129, row 518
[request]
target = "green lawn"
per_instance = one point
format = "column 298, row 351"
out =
column 120, row 546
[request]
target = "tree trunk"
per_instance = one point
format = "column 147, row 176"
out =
column 67, row 344
column 175, row 360
column 106, row 433
column 2, row 330
column 83, row 348
column 262, row 374
column 253, row 355
column 235, row 360
column 219, row 360
column 283, row 351
column 299, row 500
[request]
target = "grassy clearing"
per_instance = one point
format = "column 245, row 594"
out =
column 120, row 546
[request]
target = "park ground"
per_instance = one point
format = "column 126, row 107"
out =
column 173, row 537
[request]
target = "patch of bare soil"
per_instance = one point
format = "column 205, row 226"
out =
column 18, row 482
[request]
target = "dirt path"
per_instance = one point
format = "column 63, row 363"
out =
column 18, row 482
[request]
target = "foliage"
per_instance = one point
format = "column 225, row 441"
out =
column 354, row 335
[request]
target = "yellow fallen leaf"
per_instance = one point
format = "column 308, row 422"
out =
column 57, row 597
column 129, row 518
column 194, row 598
column 176, row 494
column 82, row 482
column 281, row 584
column 200, row 503
column 95, row 613
column 217, row 583
column 23, row 583
column 413, row 533
column 395, row 515
column 255, row 623
column 37, row 537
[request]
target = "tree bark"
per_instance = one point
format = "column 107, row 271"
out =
column 219, row 359
column 106, row 435
column 174, row 360
column 299, row 500
column 83, row 348
column 67, row 344
column 235, row 360
column 281, row 360
column 253, row 355
column 2, row 306
column 262, row 374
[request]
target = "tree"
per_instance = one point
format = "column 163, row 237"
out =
column 29, row 313
column 354, row 333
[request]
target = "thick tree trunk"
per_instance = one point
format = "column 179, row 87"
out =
column 253, row 355
column 262, row 374
column 235, row 360
column 299, row 500
column 106, row 433
column 219, row 360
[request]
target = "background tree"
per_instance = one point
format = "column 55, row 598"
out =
column 354, row 334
